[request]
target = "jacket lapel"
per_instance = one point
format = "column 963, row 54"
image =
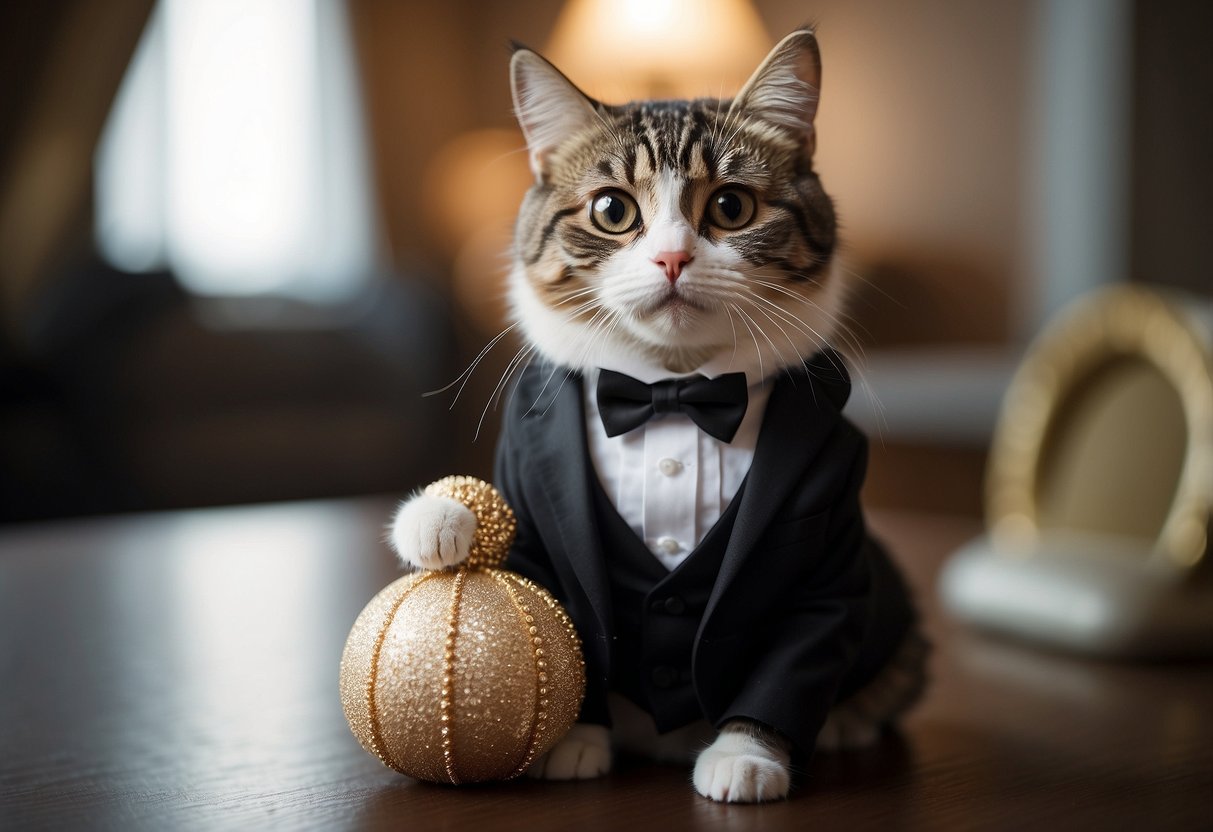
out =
column 801, row 414
column 556, row 436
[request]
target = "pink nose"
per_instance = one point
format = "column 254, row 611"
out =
column 672, row 262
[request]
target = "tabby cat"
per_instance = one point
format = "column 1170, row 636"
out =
column 677, row 240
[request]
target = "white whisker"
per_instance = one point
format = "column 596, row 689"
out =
column 781, row 360
column 733, row 327
column 466, row 375
column 757, row 348
column 520, row 356
column 795, row 348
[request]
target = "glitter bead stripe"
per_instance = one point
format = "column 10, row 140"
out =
column 448, row 677
column 375, row 731
column 557, row 610
column 539, row 715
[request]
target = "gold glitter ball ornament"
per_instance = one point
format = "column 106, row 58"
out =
column 464, row 674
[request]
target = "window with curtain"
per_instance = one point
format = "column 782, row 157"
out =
column 235, row 157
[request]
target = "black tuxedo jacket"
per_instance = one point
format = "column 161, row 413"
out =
column 805, row 608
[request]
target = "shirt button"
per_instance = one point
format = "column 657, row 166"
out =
column 664, row 676
column 669, row 545
column 669, row 466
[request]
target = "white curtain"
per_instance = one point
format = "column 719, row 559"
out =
column 235, row 153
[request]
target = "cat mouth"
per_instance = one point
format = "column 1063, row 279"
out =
column 674, row 303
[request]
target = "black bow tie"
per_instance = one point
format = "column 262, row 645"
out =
column 717, row 405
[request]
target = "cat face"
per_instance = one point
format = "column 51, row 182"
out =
column 676, row 232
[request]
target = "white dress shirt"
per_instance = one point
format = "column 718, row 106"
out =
column 669, row 480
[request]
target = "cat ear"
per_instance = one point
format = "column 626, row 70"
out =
column 784, row 90
column 548, row 105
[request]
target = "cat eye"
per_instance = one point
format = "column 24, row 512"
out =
column 614, row 212
column 731, row 208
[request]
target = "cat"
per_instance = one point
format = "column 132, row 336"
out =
column 676, row 240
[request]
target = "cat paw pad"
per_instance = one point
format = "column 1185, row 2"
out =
column 741, row 779
column 584, row 753
column 432, row 532
column 733, row 775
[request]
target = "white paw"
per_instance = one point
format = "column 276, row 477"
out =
column 583, row 753
column 432, row 532
column 739, row 769
column 846, row 730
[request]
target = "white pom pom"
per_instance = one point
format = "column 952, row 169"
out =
column 432, row 532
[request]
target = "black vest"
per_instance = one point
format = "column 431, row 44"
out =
column 657, row 613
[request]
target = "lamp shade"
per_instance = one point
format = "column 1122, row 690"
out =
column 619, row 50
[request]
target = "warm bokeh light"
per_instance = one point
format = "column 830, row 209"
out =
column 476, row 180
column 472, row 188
column 658, row 48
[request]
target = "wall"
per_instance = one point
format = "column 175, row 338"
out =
column 1172, row 208
column 923, row 144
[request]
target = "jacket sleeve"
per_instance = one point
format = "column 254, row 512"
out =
column 531, row 559
column 796, row 678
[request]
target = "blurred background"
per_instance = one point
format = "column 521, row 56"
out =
column 240, row 239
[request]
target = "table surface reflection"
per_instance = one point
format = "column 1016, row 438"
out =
column 179, row 671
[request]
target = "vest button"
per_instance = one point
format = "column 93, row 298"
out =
column 664, row 676
column 675, row 605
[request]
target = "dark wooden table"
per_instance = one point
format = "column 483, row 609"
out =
column 179, row 671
